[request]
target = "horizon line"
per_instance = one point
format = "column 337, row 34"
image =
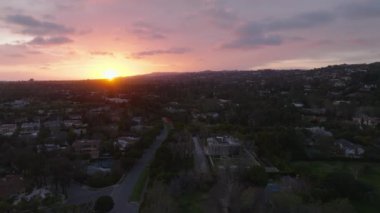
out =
column 186, row 72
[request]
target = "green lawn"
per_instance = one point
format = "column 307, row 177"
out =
column 139, row 187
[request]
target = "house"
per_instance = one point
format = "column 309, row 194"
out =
column 314, row 118
column 117, row 100
column 319, row 131
column 11, row 185
column 80, row 131
column 307, row 87
column 37, row 193
column 174, row 109
column 137, row 120
column 8, row 129
column 54, row 124
column 298, row 105
column 339, row 102
column 349, row 149
column 339, row 84
column 30, row 129
column 99, row 110
column 18, row 104
column 368, row 88
column 87, row 147
column 48, row 147
column 122, row 143
column 74, row 123
column 75, row 117
column 315, row 111
column 365, row 120
column 222, row 146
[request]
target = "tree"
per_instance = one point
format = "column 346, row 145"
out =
column 104, row 204
column 257, row 176
column 159, row 200
column 61, row 171
column 286, row 202
column 344, row 185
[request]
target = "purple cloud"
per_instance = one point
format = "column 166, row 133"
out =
column 220, row 16
column 302, row 21
column 252, row 35
column 147, row 31
column 171, row 51
column 50, row 41
column 32, row 26
column 360, row 10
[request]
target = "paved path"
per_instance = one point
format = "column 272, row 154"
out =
column 200, row 159
column 120, row 192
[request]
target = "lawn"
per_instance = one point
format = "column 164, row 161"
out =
column 138, row 189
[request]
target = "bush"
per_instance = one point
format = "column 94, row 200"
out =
column 104, row 204
column 257, row 176
column 344, row 185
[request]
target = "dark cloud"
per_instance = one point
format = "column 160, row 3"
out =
column 256, row 34
column 360, row 9
column 32, row 26
column 254, row 40
column 50, row 41
column 101, row 53
column 171, row 51
column 147, row 31
column 302, row 21
column 220, row 16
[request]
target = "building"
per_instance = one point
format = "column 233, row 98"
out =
column 8, row 129
column 11, row 185
column 122, row 143
column 349, row 149
column 74, row 124
column 365, row 120
column 319, row 131
column 118, row 100
column 18, row 104
column 48, row 147
column 298, row 105
column 87, row 147
column 222, row 146
column 30, row 129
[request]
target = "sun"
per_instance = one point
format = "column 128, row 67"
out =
column 110, row 74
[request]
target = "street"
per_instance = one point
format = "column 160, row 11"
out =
column 121, row 191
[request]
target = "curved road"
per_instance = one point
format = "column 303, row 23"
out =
column 121, row 191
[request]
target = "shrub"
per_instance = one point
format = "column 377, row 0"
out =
column 104, row 204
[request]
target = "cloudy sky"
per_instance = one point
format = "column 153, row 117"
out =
column 81, row 39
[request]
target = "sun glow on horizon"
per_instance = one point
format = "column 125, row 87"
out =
column 110, row 74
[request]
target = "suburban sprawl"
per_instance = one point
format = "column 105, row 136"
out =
column 228, row 141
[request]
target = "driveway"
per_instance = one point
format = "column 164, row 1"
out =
column 201, row 164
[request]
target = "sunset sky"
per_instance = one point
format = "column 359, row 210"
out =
column 83, row 39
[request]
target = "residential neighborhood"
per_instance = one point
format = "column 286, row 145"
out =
column 280, row 139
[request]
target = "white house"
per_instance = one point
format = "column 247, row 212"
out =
column 350, row 149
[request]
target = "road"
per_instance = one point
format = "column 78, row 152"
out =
column 200, row 159
column 121, row 191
